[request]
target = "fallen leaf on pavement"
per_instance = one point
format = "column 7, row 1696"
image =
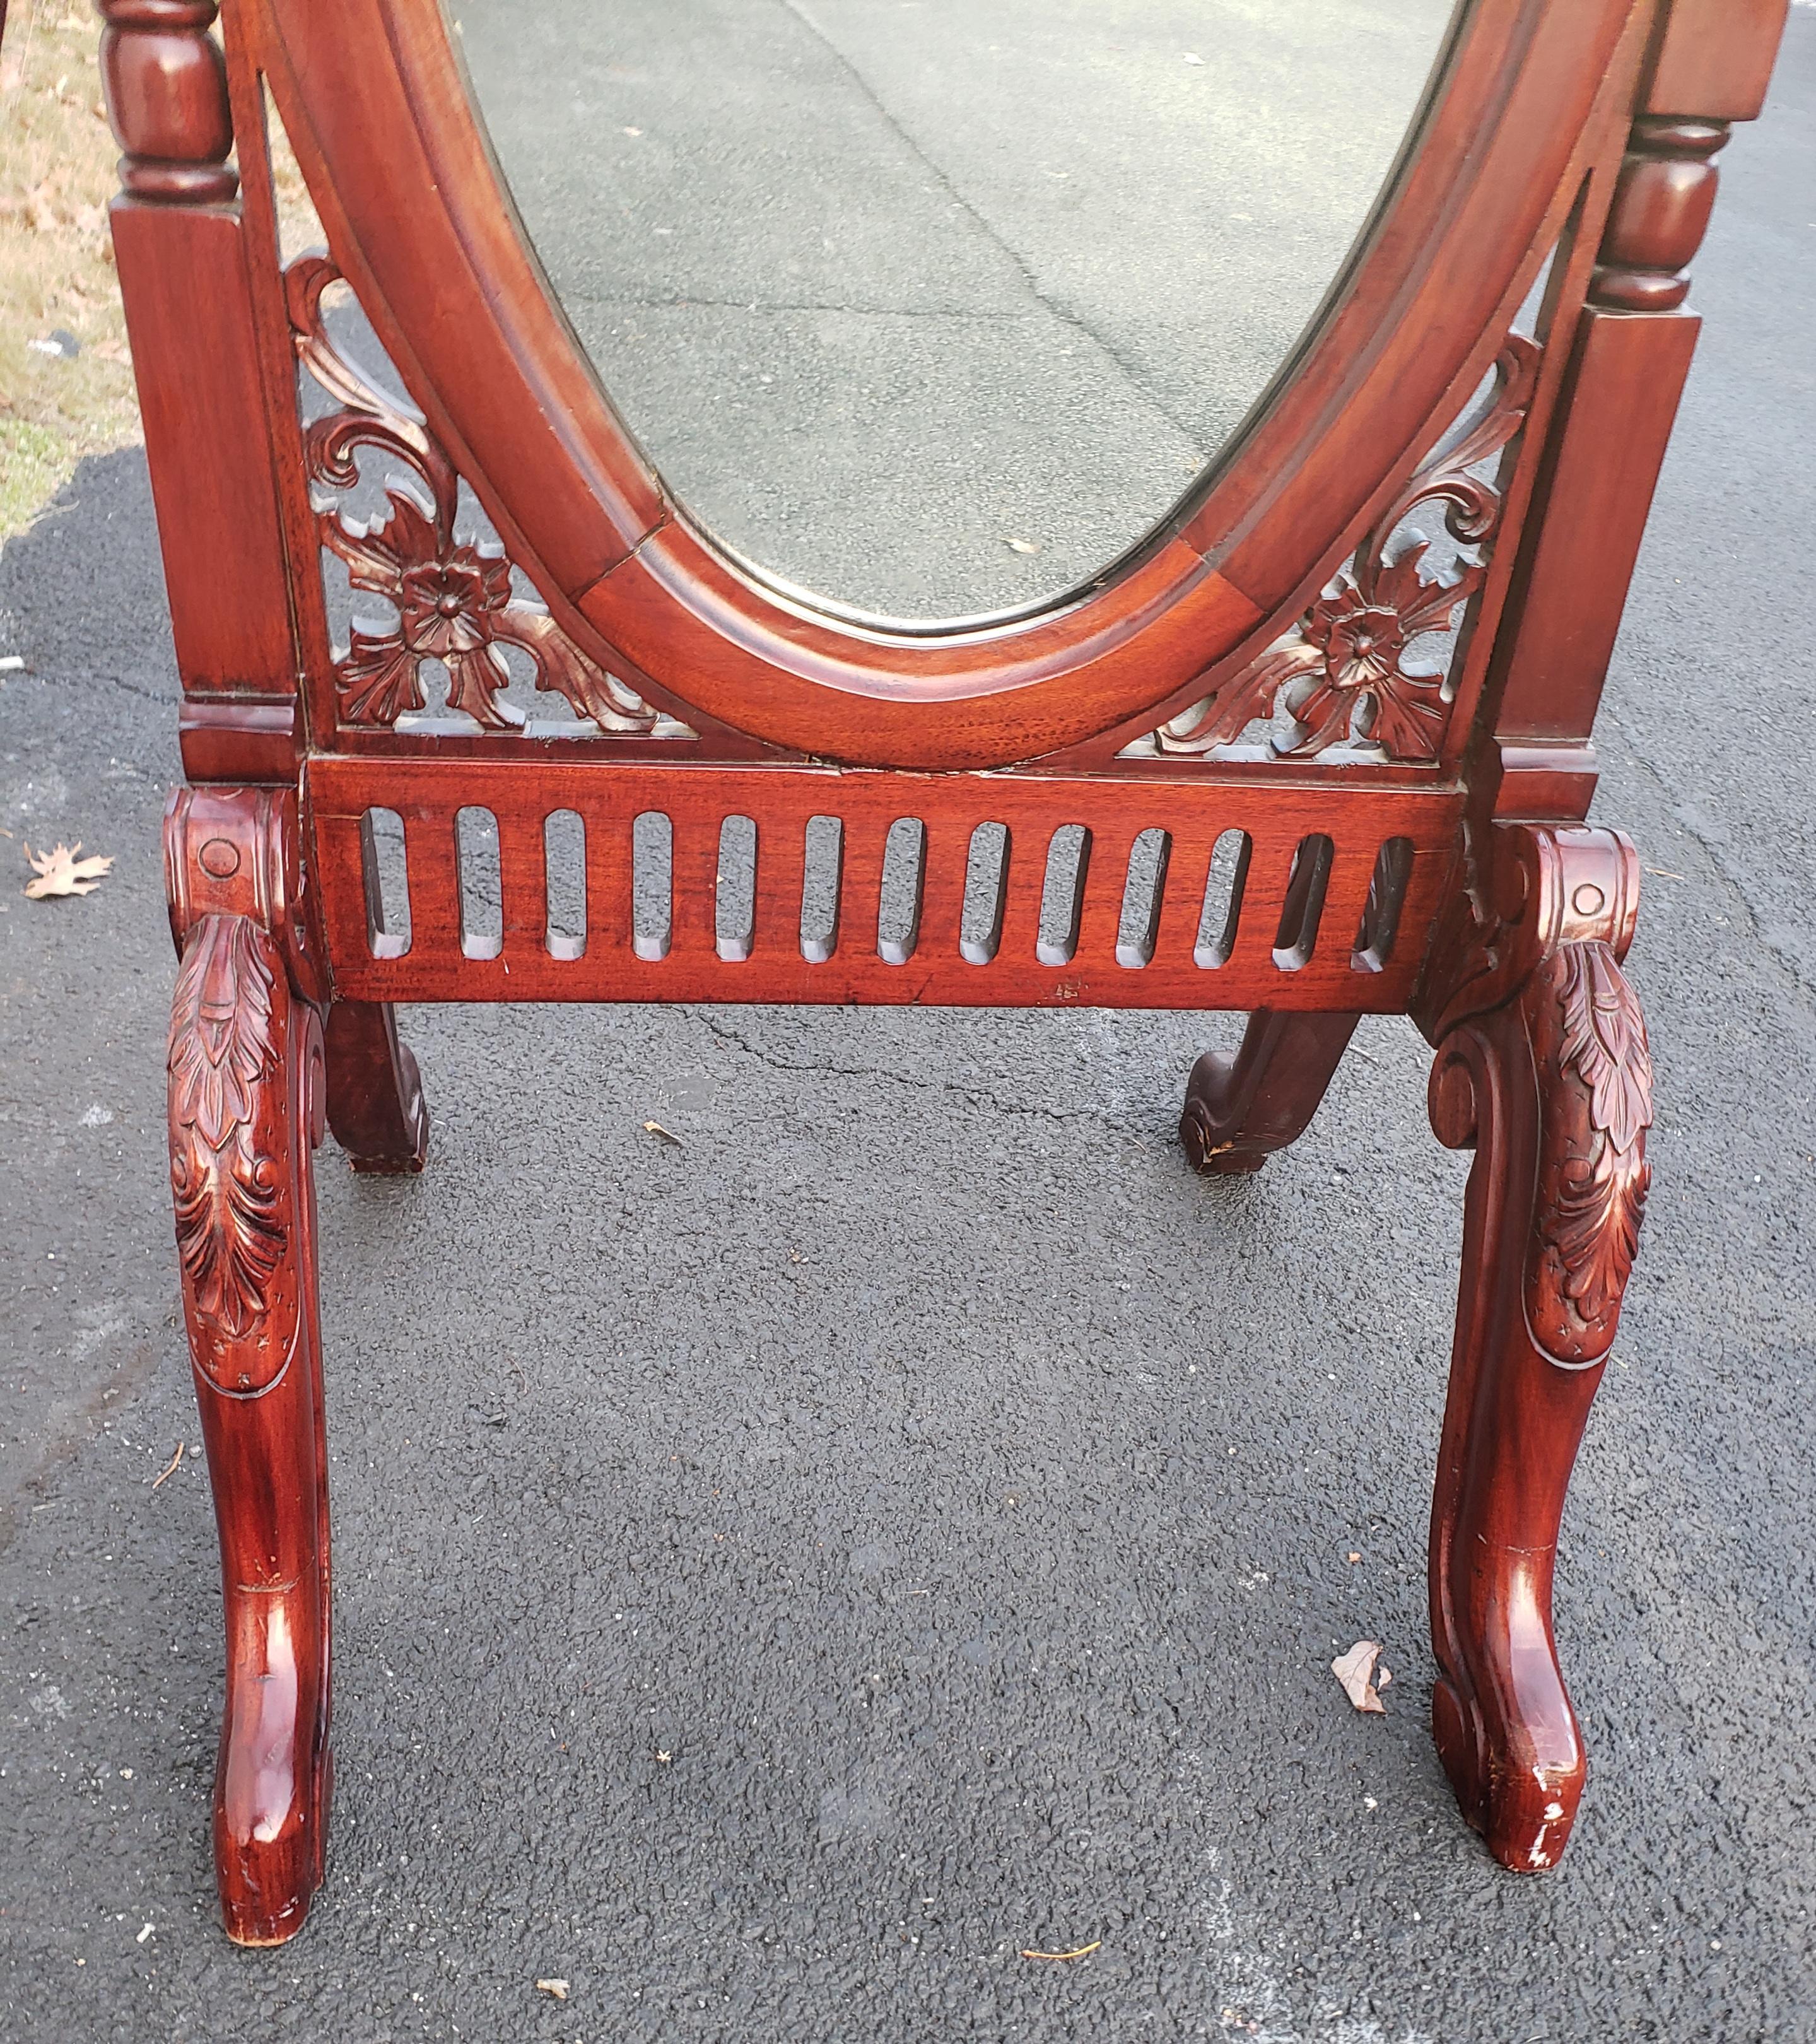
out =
column 60, row 872
column 557, row 1987
column 1355, row 1670
column 1080, row 1954
column 662, row 1135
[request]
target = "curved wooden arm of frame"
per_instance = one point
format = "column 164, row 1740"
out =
column 375, row 101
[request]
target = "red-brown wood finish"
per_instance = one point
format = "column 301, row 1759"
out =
column 246, row 1089
column 1411, row 844
column 373, row 94
column 1553, row 1089
column 375, row 1104
column 1240, row 1109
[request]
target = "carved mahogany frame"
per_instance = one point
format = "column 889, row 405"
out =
column 1412, row 838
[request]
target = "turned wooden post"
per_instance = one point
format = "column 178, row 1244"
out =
column 180, row 246
column 1631, row 352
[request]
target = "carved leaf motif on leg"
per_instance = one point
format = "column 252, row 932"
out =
column 1594, row 1176
column 230, row 1227
column 233, row 1153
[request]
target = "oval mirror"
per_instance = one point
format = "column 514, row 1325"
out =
column 935, row 308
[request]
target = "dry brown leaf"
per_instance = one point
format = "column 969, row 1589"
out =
column 60, row 872
column 662, row 1135
column 1355, row 1670
column 557, row 1987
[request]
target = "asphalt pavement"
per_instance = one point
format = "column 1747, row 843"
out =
column 782, row 1577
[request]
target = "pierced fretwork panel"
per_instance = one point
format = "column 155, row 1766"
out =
column 1370, row 667
column 635, row 883
column 459, row 641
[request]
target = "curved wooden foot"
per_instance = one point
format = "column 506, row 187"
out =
column 1554, row 1090
column 245, row 1112
column 375, row 1104
column 1238, row 1110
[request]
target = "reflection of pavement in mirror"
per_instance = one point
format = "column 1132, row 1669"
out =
column 885, row 289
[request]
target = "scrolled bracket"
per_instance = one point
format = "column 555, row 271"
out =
column 232, row 1176
column 1528, row 889
column 238, row 851
column 1344, row 666
column 1536, row 1004
column 453, row 601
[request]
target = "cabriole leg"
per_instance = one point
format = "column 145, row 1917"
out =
column 1240, row 1109
column 245, row 1112
column 1554, row 1091
column 375, row 1105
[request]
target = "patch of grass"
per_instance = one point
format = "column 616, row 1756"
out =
column 33, row 467
column 57, row 173
column 56, row 259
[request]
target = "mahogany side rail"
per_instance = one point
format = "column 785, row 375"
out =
column 1288, row 758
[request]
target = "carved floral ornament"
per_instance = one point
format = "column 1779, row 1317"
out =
column 1589, row 1233
column 1346, row 671
column 231, row 1228
column 453, row 600
column 1343, row 670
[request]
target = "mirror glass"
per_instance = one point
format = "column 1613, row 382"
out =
column 935, row 307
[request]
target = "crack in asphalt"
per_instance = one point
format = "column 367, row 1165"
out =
column 47, row 679
column 978, row 1096
column 680, row 301
column 1683, row 814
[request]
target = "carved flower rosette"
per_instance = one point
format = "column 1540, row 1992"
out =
column 1348, row 670
column 452, row 600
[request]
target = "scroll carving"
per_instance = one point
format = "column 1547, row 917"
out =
column 232, row 1227
column 1593, row 1175
column 453, row 601
column 1344, row 670
column 1537, row 942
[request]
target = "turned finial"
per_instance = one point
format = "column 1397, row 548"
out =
column 166, row 84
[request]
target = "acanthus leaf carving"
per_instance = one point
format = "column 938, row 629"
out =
column 1593, row 1174
column 231, row 1222
column 453, row 600
column 1342, row 671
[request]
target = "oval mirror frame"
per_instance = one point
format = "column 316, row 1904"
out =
column 375, row 99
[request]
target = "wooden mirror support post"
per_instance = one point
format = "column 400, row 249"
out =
column 1378, row 835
